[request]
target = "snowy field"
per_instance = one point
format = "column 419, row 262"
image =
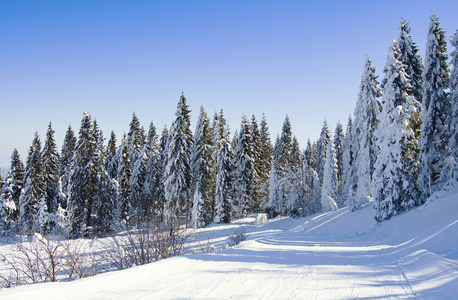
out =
column 335, row 255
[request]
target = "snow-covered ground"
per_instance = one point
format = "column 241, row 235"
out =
column 335, row 255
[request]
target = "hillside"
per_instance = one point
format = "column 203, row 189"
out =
column 335, row 255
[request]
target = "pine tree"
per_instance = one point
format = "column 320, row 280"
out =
column 339, row 139
column 50, row 167
column 135, row 139
column 65, row 163
column 81, row 181
column 104, row 193
column 348, row 175
column 177, row 173
column 257, row 164
column 264, row 161
column 329, row 188
column 33, row 187
column 223, row 207
column 17, row 181
column 434, row 131
column 322, row 145
column 243, row 172
column 152, row 187
column 111, row 160
column 396, row 168
column 411, row 59
column 453, row 96
column 123, row 194
column 201, row 170
column 368, row 107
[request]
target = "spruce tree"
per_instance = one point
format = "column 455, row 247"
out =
column 396, row 168
column 135, row 139
column 411, row 59
column 434, row 130
column 322, row 145
column 264, row 161
column 257, row 164
column 65, row 163
column 201, row 170
column 243, row 171
column 223, row 207
column 177, row 173
column 33, row 187
column 339, row 139
column 123, row 177
column 17, row 181
column 81, row 181
column 111, row 160
column 348, row 183
column 152, row 187
column 329, row 187
column 453, row 96
column 364, row 149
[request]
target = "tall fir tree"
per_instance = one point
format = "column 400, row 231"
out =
column 177, row 173
column 339, row 139
column 434, row 130
column 110, row 159
column 33, row 187
column 322, row 145
column 453, row 96
column 81, row 181
column 243, row 171
column 201, row 170
column 135, row 139
column 65, row 163
column 329, row 187
column 264, row 161
column 151, row 189
column 348, row 183
column 368, row 107
column 123, row 177
column 412, row 60
column 17, row 181
column 257, row 165
column 396, row 168
column 50, row 167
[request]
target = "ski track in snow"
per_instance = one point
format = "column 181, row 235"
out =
column 334, row 255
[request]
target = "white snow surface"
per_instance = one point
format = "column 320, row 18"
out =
column 333, row 255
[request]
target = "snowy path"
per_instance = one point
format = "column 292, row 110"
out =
column 337, row 255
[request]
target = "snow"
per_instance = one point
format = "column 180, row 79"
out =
column 332, row 255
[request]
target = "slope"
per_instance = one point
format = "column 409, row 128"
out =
column 335, row 255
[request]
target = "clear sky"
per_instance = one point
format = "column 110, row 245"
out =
column 111, row 58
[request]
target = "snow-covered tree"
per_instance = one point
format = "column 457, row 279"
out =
column 434, row 130
column 81, row 181
column 201, row 170
column 257, row 165
column 151, row 188
column 33, row 187
column 365, row 123
column 8, row 209
column 264, row 161
column 17, row 181
column 322, row 145
column 223, row 207
column 135, row 139
column 453, row 99
column 177, row 173
column 243, row 171
column 411, row 59
column 329, row 187
column 123, row 178
column 396, row 168
column 65, row 163
column 50, row 168
column 348, row 183
column 111, row 160
column 339, row 139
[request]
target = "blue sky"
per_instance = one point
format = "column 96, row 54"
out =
column 111, row 58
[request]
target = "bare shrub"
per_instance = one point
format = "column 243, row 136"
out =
column 146, row 245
